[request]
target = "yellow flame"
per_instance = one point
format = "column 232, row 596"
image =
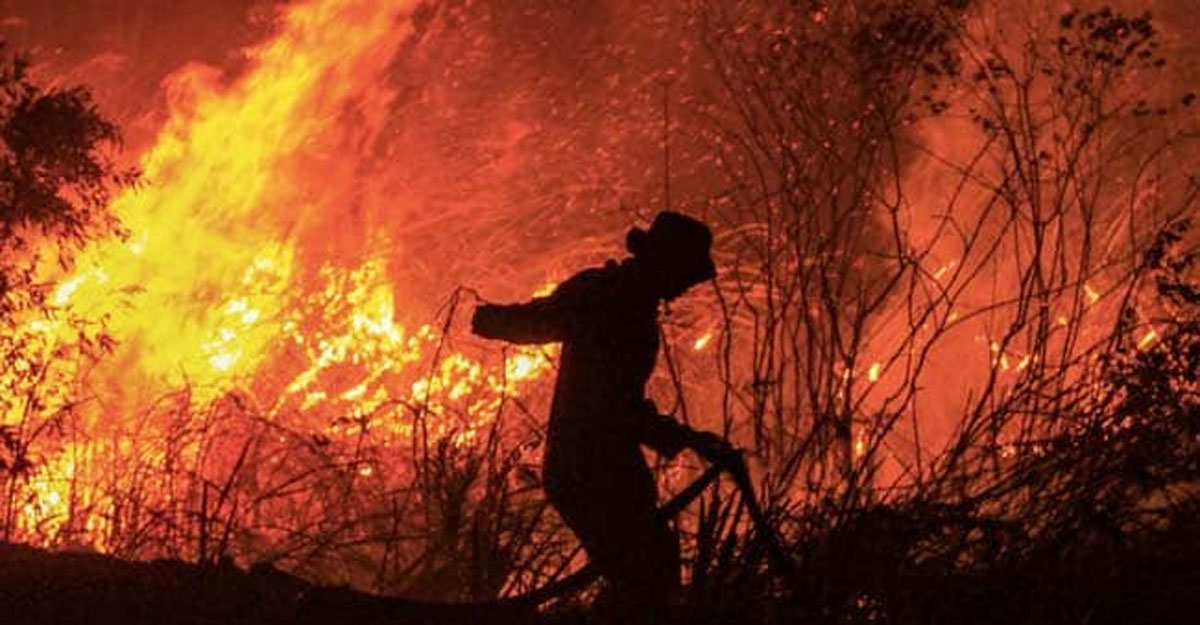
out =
column 545, row 289
column 214, row 287
column 198, row 289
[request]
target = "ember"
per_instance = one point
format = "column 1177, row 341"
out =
column 952, row 326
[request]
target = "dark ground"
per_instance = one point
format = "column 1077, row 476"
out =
column 46, row 588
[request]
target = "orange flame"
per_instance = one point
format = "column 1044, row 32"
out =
column 207, row 271
column 218, row 285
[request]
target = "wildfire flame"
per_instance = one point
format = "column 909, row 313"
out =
column 251, row 263
column 219, row 284
column 208, row 269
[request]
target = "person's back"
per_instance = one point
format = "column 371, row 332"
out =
column 609, row 348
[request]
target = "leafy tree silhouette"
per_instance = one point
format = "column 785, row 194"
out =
column 56, row 176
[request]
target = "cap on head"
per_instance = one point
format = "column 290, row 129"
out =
column 677, row 243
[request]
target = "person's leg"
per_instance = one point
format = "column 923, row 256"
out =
column 615, row 519
column 642, row 575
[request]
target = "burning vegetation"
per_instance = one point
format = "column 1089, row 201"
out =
column 954, row 325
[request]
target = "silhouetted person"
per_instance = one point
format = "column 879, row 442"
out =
column 594, row 471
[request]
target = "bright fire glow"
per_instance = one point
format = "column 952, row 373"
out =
column 215, row 290
column 1148, row 339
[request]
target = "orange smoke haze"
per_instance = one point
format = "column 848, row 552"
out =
column 309, row 201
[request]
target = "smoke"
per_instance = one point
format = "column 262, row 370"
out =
column 532, row 132
column 486, row 144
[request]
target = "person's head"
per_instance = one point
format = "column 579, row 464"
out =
column 675, row 252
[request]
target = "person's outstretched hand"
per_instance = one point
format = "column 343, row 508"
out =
column 715, row 449
column 483, row 321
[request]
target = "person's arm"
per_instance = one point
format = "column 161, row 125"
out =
column 540, row 320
